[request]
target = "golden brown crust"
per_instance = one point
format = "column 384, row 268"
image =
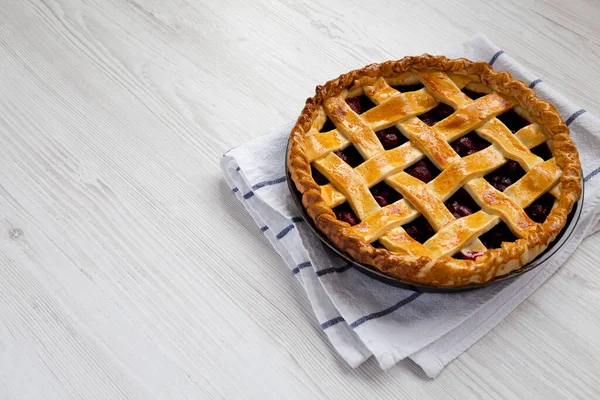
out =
column 445, row 270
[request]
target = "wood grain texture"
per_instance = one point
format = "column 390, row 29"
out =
column 117, row 274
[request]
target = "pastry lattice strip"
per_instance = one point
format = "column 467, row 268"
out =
column 400, row 109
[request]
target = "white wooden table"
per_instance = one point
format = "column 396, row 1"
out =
column 127, row 268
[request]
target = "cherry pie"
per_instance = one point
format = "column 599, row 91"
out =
column 433, row 170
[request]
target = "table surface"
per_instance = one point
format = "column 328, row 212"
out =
column 129, row 270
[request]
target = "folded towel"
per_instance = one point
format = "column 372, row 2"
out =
column 362, row 316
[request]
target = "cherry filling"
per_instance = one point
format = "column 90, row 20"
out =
column 378, row 244
column 469, row 144
column 408, row 88
column 344, row 213
column 360, row 104
column 471, row 255
column 385, row 194
column 318, row 176
column 462, row 204
column 493, row 238
column 423, row 170
column 513, row 121
column 542, row 151
column 354, row 103
column 328, row 126
column 391, row 137
column 436, row 114
column 539, row 209
column 472, row 95
column 419, row 229
column 505, row 176
column 351, row 156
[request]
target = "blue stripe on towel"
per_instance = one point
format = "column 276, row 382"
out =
column 285, row 231
column 268, row 183
column 288, row 228
column 385, row 312
column 331, row 322
column 301, row 266
column 495, row 57
column 591, row 174
column 573, row 117
column 375, row 315
column 534, row 83
column 331, row 270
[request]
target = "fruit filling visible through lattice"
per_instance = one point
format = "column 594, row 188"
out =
column 431, row 164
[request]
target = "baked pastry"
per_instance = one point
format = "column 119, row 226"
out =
column 435, row 171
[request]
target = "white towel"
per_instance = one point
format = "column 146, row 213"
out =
column 364, row 317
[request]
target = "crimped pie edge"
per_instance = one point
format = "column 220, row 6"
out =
column 443, row 271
